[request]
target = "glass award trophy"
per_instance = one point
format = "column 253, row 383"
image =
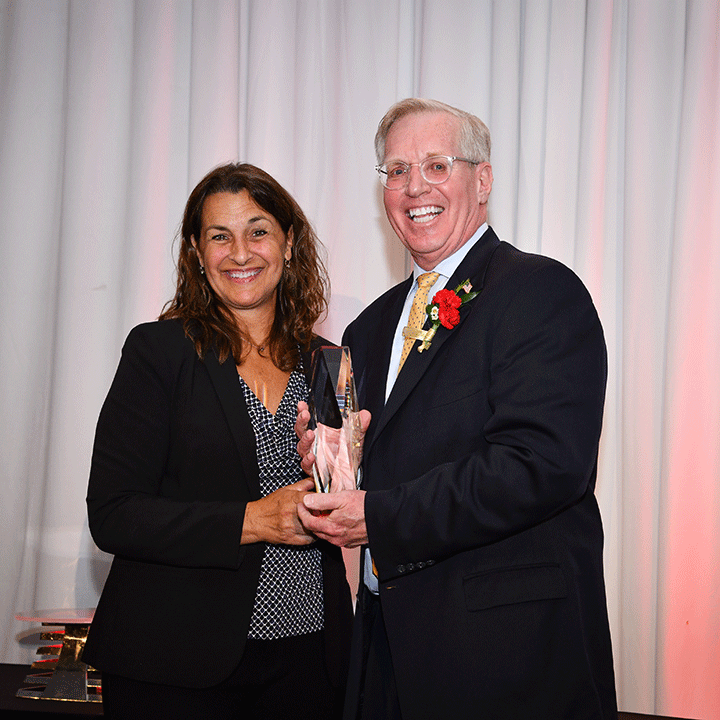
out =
column 334, row 418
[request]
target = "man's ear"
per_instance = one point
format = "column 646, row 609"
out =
column 484, row 177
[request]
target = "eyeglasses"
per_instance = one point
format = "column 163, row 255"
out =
column 396, row 174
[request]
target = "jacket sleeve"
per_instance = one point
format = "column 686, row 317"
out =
column 136, row 507
column 512, row 450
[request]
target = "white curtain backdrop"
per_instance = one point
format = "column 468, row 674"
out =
column 605, row 116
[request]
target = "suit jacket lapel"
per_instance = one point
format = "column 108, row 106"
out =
column 473, row 267
column 227, row 386
column 380, row 347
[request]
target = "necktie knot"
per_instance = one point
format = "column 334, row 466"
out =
column 426, row 281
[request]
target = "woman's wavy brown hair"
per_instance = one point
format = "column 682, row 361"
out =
column 301, row 293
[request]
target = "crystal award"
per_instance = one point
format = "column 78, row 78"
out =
column 334, row 418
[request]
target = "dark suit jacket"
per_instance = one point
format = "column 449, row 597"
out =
column 480, row 510
column 173, row 468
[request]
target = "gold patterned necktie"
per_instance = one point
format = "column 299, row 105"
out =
column 416, row 319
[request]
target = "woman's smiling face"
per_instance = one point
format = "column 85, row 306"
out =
column 243, row 250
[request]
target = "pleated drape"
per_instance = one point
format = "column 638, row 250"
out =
column 605, row 117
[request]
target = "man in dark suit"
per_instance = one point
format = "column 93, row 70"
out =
column 482, row 592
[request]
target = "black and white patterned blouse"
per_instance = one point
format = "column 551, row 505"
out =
column 289, row 598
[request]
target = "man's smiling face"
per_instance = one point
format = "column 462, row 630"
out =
column 433, row 221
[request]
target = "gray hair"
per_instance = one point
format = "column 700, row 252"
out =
column 474, row 140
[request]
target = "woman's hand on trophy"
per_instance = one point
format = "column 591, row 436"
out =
column 306, row 437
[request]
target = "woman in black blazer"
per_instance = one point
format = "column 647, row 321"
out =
column 218, row 602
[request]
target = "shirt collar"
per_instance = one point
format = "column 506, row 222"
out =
column 450, row 264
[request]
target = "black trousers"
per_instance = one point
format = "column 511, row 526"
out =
column 276, row 679
column 378, row 692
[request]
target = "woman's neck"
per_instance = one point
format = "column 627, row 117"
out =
column 255, row 326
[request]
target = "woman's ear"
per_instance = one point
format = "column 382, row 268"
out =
column 289, row 243
column 197, row 253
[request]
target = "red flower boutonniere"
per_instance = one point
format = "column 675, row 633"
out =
column 444, row 310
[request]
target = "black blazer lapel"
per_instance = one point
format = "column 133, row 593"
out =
column 380, row 349
column 227, row 386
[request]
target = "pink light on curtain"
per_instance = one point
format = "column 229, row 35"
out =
column 689, row 630
column 689, row 618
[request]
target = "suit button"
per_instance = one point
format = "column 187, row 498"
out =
column 401, row 568
column 420, row 565
column 430, row 562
